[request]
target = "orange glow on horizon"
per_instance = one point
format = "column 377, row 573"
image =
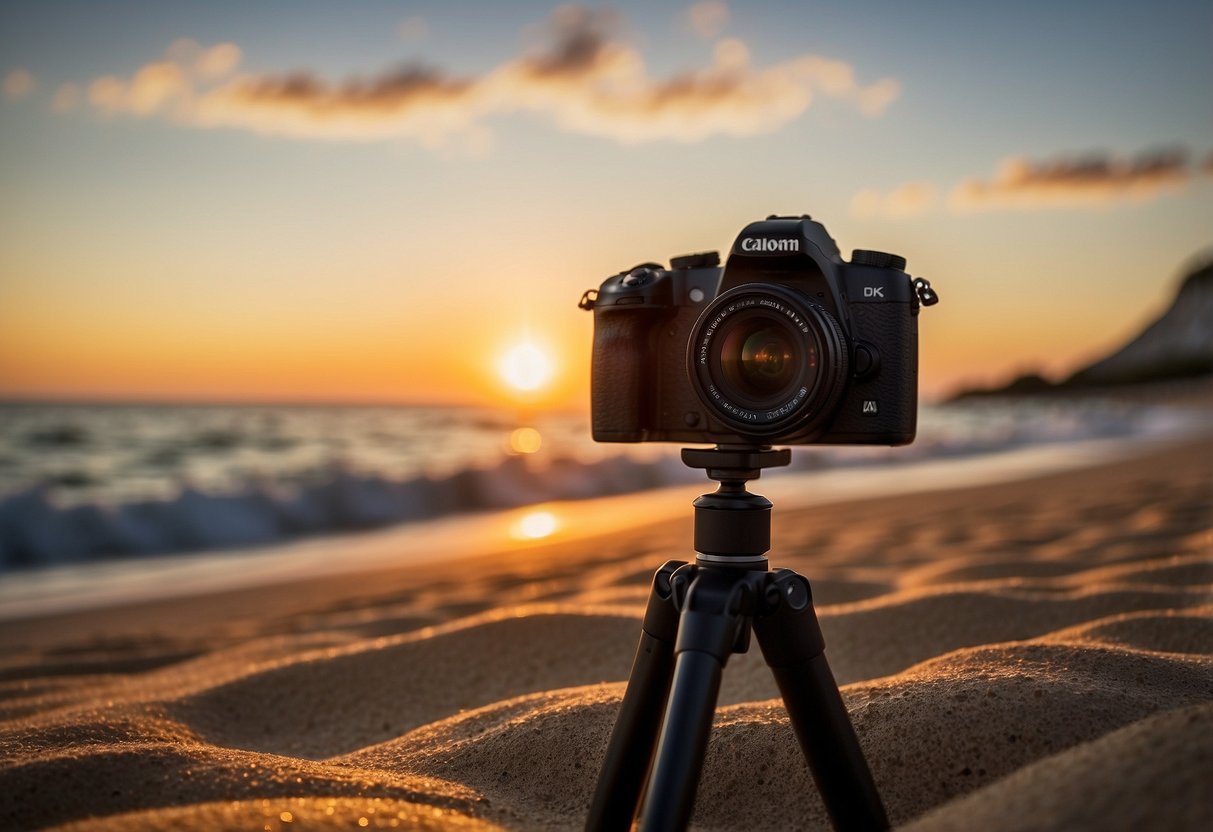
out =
column 414, row 343
column 109, row 361
column 150, row 353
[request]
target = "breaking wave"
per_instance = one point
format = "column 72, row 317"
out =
column 36, row 529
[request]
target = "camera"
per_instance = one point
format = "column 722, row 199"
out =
column 787, row 344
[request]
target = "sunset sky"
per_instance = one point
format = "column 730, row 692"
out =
column 376, row 201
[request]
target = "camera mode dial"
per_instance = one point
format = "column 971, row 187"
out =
column 641, row 275
column 879, row 259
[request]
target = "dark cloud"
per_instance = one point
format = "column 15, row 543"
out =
column 410, row 86
column 577, row 42
column 1095, row 178
column 580, row 74
column 1085, row 178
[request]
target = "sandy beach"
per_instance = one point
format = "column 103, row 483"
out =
column 1026, row 655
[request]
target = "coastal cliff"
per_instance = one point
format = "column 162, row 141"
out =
column 1177, row 345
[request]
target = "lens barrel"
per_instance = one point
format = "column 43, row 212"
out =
column 767, row 361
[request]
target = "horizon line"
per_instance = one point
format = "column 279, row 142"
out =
column 152, row 401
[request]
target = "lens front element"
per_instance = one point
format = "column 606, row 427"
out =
column 761, row 358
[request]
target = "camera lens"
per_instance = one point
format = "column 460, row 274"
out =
column 760, row 358
column 767, row 360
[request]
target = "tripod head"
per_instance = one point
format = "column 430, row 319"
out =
column 736, row 463
column 733, row 526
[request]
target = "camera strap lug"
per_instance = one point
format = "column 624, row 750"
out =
column 926, row 295
column 588, row 299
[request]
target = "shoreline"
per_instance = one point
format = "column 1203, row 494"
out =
column 55, row 590
column 45, row 525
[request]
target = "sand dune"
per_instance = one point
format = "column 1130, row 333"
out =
column 1027, row 656
column 1164, row 760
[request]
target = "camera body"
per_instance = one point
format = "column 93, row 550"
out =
column 787, row 344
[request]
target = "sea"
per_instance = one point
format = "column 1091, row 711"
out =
column 81, row 483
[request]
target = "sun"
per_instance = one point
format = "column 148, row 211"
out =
column 526, row 367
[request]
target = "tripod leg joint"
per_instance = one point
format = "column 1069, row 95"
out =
column 716, row 611
column 787, row 626
column 661, row 613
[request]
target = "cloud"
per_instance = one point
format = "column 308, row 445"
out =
column 1093, row 179
column 19, row 83
column 415, row 101
column 707, row 18
column 580, row 75
column 201, row 62
column 589, row 82
column 166, row 87
column 1090, row 179
column 909, row 200
column 874, row 99
column 154, row 88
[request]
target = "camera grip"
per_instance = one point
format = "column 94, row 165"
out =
column 620, row 390
column 893, row 330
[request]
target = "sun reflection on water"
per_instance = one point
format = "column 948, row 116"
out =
column 525, row 441
column 535, row 525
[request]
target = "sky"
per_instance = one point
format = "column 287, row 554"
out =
column 295, row 201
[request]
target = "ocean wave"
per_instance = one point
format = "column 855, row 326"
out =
column 37, row 530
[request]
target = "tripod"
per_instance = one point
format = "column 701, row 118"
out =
column 697, row 616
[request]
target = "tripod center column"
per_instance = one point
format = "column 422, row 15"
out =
column 732, row 527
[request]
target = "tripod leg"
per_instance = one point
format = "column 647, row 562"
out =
column 684, row 742
column 635, row 732
column 793, row 647
column 714, row 616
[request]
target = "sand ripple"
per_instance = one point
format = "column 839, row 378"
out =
column 1010, row 661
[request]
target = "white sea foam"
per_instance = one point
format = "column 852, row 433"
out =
column 41, row 526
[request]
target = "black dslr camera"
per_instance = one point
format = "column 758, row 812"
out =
column 788, row 344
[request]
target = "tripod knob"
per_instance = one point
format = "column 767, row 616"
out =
column 796, row 593
column 788, row 588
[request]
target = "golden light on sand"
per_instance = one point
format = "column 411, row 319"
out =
column 525, row 441
column 535, row 526
column 526, row 367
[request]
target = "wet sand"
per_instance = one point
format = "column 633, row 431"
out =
column 1027, row 655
